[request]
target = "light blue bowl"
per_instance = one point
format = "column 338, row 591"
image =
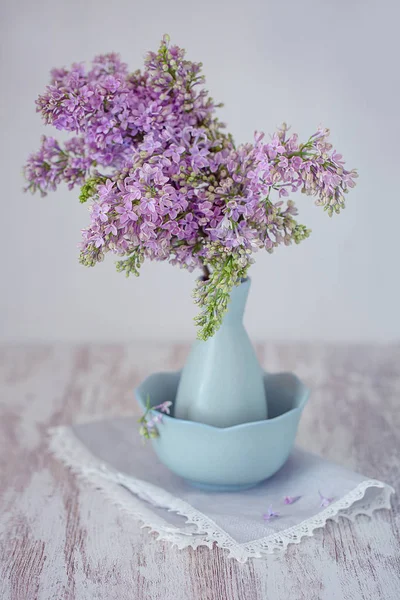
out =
column 229, row 458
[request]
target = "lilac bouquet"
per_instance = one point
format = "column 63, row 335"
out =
column 167, row 182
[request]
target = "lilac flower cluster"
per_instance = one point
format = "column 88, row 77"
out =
column 167, row 182
column 53, row 164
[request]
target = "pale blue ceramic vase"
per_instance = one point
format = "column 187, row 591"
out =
column 222, row 382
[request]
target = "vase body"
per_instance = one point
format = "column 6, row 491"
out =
column 222, row 382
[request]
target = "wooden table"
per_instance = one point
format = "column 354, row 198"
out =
column 59, row 539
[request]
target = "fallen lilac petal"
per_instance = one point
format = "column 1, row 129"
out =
column 324, row 500
column 270, row 514
column 291, row 499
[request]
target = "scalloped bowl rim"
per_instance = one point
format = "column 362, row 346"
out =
column 304, row 394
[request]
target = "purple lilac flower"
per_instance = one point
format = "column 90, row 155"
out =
column 164, row 407
column 157, row 418
column 166, row 181
column 52, row 164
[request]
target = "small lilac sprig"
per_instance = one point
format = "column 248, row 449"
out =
column 270, row 514
column 148, row 427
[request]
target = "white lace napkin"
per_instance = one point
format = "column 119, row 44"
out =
column 111, row 456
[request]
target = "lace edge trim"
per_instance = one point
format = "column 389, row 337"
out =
column 68, row 449
column 64, row 446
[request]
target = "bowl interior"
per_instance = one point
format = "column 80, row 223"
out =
column 284, row 391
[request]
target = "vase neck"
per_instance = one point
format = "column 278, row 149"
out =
column 237, row 304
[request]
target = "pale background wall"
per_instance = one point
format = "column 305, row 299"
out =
column 306, row 62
